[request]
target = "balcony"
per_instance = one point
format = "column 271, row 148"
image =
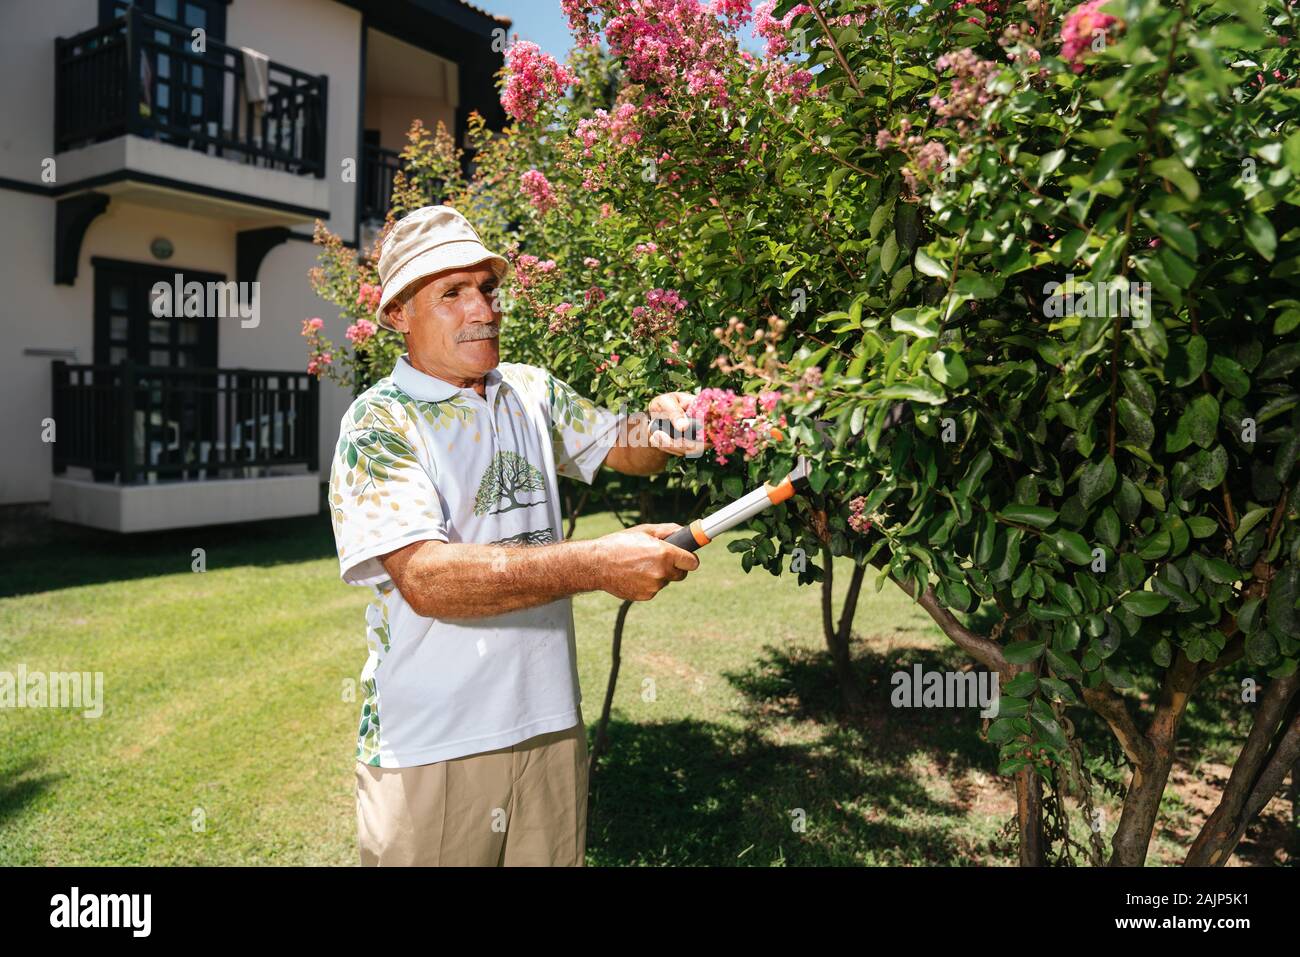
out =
column 168, row 448
column 134, row 101
column 379, row 166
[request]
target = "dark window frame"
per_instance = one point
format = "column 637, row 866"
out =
column 107, row 269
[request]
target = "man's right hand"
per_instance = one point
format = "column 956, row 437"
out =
column 636, row 563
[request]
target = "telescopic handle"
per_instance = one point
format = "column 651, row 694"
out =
column 683, row 538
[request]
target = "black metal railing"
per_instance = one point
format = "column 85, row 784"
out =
column 130, row 423
column 378, row 168
column 141, row 75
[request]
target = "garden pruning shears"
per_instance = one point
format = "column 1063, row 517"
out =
column 701, row 531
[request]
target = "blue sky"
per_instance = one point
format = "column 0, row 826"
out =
column 538, row 20
column 543, row 22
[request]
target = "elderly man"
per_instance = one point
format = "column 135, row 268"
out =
column 472, row 748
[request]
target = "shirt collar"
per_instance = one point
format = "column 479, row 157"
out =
column 427, row 388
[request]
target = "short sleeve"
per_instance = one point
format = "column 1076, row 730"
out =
column 582, row 433
column 381, row 497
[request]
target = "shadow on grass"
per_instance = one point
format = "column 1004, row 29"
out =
column 695, row 793
column 21, row 786
column 84, row 556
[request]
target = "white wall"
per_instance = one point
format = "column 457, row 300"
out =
column 318, row 36
column 27, row 32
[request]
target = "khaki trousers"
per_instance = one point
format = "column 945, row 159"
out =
column 525, row 805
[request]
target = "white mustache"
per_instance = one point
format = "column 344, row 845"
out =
column 474, row 333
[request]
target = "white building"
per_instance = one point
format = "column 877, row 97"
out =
column 143, row 140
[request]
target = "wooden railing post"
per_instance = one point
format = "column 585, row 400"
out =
column 126, row 413
column 313, row 424
column 133, row 53
column 58, row 395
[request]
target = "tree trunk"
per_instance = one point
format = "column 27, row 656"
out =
column 1212, row 846
column 837, row 636
column 1132, row 838
column 1293, row 840
column 602, row 726
column 574, row 510
column 1029, row 817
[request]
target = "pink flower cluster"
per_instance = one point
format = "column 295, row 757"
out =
column 312, row 326
column 360, row 331
column 992, row 8
column 858, row 520
column 528, row 268
column 618, row 129
column 369, row 295
column 316, row 365
column 1077, row 31
column 670, row 43
column 611, row 361
column 642, row 249
column 578, row 13
column 732, row 422
column 787, row 80
column 926, row 157
column 659, row 315
column 969, row 92
column 537, row 188
column 767, row 27
column 560, row 318
column 531, row 75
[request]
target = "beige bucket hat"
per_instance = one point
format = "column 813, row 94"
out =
column 427, row 241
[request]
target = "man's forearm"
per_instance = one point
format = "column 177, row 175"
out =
column 465, row 580
column 634, row 455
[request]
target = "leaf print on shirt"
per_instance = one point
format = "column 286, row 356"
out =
column 508, row 475
column 568, row 409
column 368, row 732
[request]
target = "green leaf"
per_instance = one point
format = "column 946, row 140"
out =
column 1022, row 685
column 948, row 368
column 1261, row 235
column 1174, row 231
column 1197, row 424
column 1071, row 545
column 929, row 267
column 908, row 321
column 1172, row 169
column 1034, row 515
column 1144, row 604
column 1249, row 521
column 1162, row 653
column 1023, row 652
column 1097, row 480
column 1064, row 665
column 1279, row 361
column 1216, row 569
column 1107, row 527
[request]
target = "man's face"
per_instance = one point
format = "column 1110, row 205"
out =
column 452, row 324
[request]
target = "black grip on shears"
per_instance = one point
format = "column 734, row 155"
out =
column 683, row 538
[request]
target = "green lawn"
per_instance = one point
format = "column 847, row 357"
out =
column 227, row 735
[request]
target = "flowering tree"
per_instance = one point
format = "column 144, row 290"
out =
column 1066, row 237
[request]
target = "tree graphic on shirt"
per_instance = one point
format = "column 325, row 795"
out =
column 509, row 475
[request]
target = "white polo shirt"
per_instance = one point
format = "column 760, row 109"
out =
column 421, row 459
